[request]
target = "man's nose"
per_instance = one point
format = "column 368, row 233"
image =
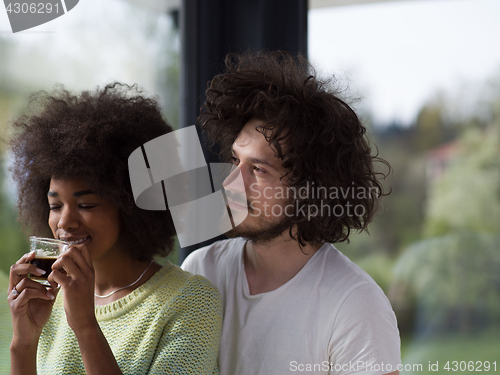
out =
column 235, row 182
column 234, row 185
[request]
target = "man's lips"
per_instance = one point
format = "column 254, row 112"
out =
column 237, row 206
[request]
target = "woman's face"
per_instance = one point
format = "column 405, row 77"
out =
column 78, row 215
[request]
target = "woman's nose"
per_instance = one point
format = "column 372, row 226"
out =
column 68, row 219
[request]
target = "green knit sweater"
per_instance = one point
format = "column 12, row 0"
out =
column 169, row 325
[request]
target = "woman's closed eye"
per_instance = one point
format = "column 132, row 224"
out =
column 53, row 207
column 87, row 206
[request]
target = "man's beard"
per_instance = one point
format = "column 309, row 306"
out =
column 263, row 231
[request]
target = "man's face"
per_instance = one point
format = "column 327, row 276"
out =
column 266, row 196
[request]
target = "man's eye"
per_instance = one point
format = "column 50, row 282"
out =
column 87, row 206
column 53, row 207
column 234, row 160
column 257, row 169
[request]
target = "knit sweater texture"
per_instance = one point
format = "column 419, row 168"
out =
column 169, row 325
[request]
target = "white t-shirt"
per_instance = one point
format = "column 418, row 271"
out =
column 330, row 318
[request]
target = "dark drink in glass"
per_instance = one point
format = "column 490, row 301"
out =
column 45, row 263
column 46, row 252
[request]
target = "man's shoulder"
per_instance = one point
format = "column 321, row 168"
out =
column 336, row 276
column 220, row 254
column 338, row 267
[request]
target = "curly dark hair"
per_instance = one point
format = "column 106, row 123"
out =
column 326, row 144
column 90, row 135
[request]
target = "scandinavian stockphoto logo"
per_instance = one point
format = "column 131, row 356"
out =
column 170, row 172
column 25, row 15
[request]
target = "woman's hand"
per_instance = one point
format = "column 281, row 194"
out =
column 30, row 302
column 74, row 272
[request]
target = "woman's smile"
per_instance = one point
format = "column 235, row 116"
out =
column 79, row 216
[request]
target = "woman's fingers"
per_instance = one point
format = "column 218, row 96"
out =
column 28, row 257
column 71, row 266
column 85, row 253
column 80, row 255
column 73, row 262
column 30, row 302
column 28, row 289
column 25, row 284
column 22, row 268
column 76, row 278
column 54, row 285
column 82, row 258
column 66, row 265
column 58, row 277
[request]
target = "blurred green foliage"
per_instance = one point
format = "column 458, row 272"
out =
column 450, row 277
column 379, row 267
column 432, row 128
column 455, row 280
column 13, row 242
column 467, row 196
column 434, row 246
column 483, row 346
column 5, row 326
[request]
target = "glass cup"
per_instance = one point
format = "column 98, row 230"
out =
column 46, row 252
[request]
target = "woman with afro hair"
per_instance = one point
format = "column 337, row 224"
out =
column 110, row 308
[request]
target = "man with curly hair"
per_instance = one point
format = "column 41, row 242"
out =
column 292, row 301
